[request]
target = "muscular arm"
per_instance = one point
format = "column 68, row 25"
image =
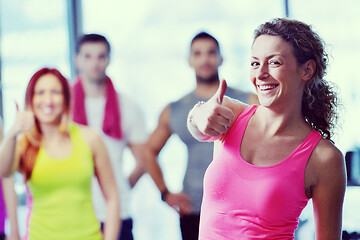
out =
column 328, row 168
column 153, row 147
column 156, row 141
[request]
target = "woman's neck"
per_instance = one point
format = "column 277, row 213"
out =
column 50, row 131
column 281, row 122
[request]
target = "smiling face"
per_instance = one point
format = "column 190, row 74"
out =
column 48, row 100
column 275, row 73
column 205, row 59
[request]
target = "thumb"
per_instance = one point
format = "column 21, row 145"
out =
column 219, row 95
column 16, row 105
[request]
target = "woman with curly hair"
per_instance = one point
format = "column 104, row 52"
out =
column 269, row 160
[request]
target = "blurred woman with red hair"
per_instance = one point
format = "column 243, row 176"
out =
column 58, row 158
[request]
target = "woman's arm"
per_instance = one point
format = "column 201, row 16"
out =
column 9, row 160
column 107, row 183
column 10, row 198
column 328, row 168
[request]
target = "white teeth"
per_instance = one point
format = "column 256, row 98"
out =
column 47, row 110
column 267, row 87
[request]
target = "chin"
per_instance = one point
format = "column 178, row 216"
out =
column 207, row 79
column 96, row 79
column 265, row 103
column 48, row 120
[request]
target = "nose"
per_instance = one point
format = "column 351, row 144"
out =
column 203, row 58
column 48, row 97
column 263, row 72
column 94, row 62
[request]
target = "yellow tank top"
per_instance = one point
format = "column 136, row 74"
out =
column 59, row 200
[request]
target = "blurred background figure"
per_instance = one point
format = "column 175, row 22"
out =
column 205, row 58
column 115, row 116
column 58, row 159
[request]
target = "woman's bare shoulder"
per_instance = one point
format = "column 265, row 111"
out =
column 90, row 135
column 327, row 161
column 326, row 152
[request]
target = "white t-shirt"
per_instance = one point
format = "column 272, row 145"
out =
column 133, row 131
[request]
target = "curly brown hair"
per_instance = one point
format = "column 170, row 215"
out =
column 320, row 101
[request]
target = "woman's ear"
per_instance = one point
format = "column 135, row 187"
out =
column 309, row 69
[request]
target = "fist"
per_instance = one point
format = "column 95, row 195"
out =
column 25, row 121
column 212, row 118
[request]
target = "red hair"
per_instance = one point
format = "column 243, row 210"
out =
column 30, row 142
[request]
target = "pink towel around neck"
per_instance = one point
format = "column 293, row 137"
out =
column 111, row 124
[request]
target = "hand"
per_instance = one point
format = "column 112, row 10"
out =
column 13, row 236
column 25, row 121
column 181, row 202
column 211, row 118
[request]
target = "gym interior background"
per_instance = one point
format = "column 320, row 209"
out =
column 150, row 44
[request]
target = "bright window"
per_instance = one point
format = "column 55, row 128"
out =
column 34, row 34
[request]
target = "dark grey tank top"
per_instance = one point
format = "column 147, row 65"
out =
column 200, row 154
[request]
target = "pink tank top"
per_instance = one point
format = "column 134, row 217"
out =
column 244, row 201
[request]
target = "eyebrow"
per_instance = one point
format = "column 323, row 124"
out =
column 272, row 55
